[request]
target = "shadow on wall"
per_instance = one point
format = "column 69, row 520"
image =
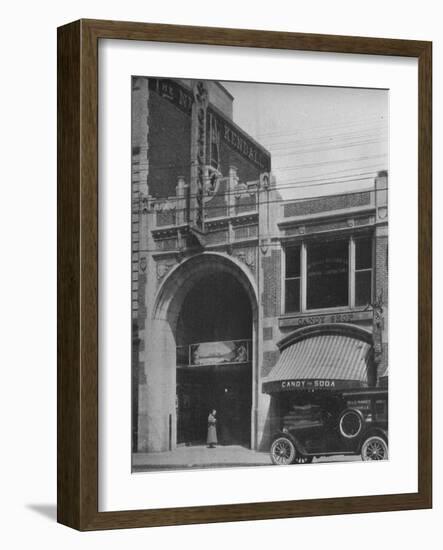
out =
column 271, row 425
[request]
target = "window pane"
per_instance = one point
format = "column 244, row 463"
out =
column 292, row 296
column 363, row 253
column 381, row 410
column 327, row 284
column 293, row 261
column 363, row 288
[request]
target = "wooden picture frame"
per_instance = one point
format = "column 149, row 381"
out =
column 77, row 455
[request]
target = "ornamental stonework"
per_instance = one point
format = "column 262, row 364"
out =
column 247, row 256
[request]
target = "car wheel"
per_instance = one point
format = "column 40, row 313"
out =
column 374, row 448
column 282, row 451
column 303, row 459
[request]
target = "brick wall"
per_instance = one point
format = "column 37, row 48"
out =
column 271, row 284
column 381, row 291
column 337, row 202
column 229, row 157
column 169, row 146
column 245, row 203
column 381, row 267
column 216, row 237
column 245, row 232
column 165, row 217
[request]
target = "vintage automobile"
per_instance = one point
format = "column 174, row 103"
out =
column 350, row 423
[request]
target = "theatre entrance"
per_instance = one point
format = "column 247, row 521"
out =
column 214, row 361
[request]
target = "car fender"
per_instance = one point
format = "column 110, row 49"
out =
column 298, row 446
column 371, row 431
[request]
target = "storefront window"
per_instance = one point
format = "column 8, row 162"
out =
column 292, row 280
column 363, row 272
column 331, row 274
column 327, row 274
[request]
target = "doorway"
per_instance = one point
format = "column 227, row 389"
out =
column 215, row 315
column 224, row 388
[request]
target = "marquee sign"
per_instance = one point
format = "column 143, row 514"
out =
column 311, row 384
column 241, row 142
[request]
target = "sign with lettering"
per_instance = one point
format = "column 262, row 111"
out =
column 242, row 143
column 304, row 320
column 364, row 405
column 232, row 135
column 173, row 92
column 310, row 385
column 307, row 384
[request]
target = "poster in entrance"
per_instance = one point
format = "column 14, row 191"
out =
column 259, row 274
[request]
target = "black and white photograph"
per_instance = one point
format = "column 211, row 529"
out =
column 217, row 264
column 259, row 274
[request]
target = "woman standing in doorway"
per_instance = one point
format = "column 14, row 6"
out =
column 212, row 430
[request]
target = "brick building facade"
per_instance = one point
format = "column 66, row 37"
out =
column 234, row 290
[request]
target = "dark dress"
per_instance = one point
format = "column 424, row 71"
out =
column 212, row 430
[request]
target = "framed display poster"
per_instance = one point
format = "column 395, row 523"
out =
column 244, row 275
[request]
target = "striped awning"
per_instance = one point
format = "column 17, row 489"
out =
column 322, row 361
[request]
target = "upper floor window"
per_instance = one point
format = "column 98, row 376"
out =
column 327, row 274
column 292, row 279
column 321, row 275
column 363, row 271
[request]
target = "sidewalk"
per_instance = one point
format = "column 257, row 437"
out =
column 199, row 456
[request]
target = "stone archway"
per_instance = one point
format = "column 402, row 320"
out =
column 157, row 427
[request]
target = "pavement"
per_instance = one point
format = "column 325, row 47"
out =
column 200, row 456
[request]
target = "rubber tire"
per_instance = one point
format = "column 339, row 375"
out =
column 278, row 459
column 360, row 416
column 375, row 439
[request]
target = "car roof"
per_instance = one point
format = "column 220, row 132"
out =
column 367, row 392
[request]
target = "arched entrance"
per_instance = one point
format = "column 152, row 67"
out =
column 202, row 355
column 214, row 363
